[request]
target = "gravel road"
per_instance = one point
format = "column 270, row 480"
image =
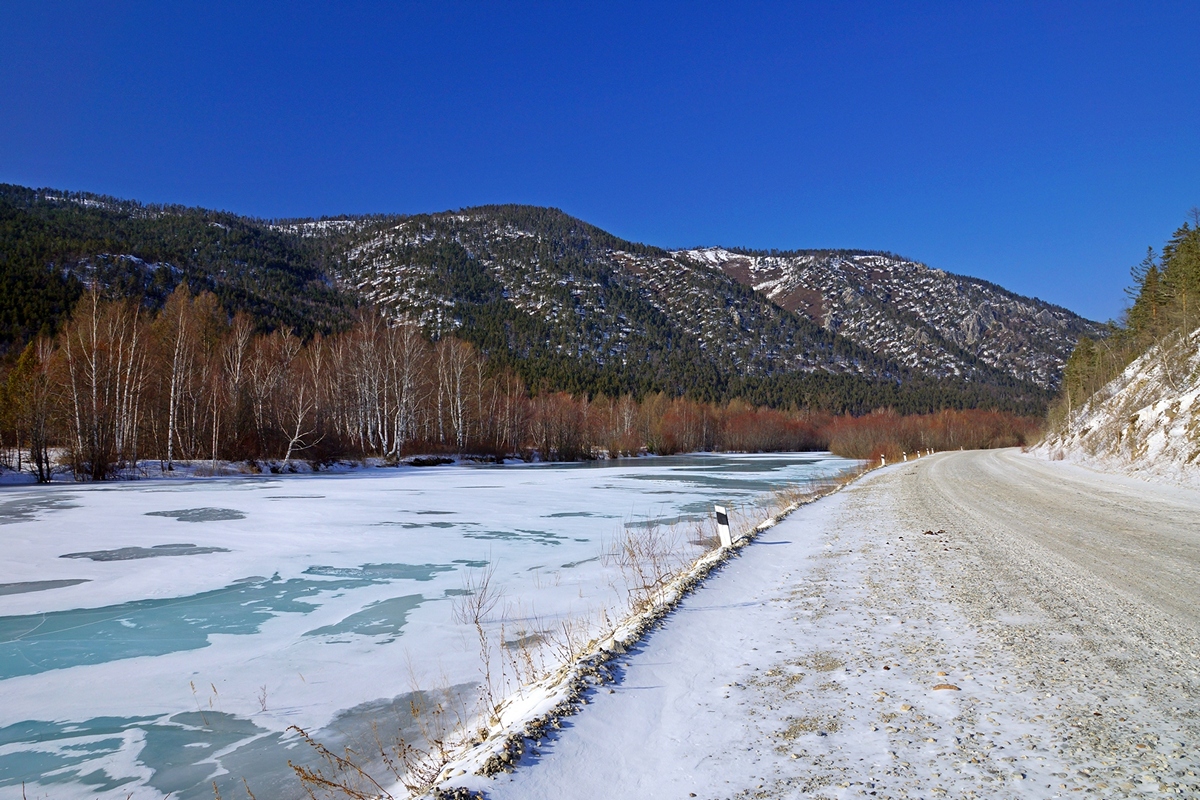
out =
column 975, row 624
column 1088, row 584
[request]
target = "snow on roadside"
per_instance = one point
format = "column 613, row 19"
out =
column 822, row 661
column 1145, row 422
column 541, row 706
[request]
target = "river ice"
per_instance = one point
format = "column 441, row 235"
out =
column 161, row 635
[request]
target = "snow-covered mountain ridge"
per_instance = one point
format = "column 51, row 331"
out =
column 922, row 317
column 595, row 297
column 1146, row 421
column 852, row 313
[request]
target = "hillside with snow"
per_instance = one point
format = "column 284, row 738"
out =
column 709, row 317
column 588, row 295
column 929, row 319
column 1144, row 422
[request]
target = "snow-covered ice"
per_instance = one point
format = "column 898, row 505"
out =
column 160, row 635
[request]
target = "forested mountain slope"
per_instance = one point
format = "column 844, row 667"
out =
column 54, row 243
column 564, row 304
column 540, row 284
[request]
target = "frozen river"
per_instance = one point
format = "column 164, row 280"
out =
column 156, row 636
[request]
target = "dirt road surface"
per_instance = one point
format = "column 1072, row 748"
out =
column 975, row 624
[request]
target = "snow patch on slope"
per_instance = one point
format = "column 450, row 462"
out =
column 320, row 227
column 1145, row 422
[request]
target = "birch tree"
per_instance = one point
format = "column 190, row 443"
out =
column 105, row 355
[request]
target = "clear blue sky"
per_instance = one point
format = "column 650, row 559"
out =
column 1041, row 146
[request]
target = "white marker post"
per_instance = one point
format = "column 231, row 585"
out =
column 883, row 461
column 723, row 526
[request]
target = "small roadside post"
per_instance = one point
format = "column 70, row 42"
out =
column 723, row 526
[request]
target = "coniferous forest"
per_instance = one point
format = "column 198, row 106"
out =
column 1165, row 300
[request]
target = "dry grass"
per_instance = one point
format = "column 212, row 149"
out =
column 473, row 607
column 416, row 765
column 648, row 557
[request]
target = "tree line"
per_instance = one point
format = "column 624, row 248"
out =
column 119, row 385
column 1165, row 299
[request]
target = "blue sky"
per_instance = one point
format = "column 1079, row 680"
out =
column 1042, row 146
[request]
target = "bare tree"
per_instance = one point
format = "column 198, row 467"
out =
column 454, row 360
column 105, row 365
column 29, row 394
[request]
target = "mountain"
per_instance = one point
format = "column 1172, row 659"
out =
column 940, row 323
column 541, row 286
column 641, row 310
column 566, row 305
